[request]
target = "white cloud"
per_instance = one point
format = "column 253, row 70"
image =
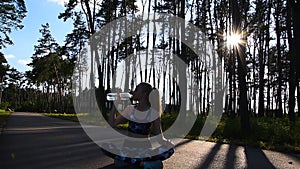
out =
column 9, row 56
column 60, row 2
column 24, row 61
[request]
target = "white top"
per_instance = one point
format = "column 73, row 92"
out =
column 131, row 113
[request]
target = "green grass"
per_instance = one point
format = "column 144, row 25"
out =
column 71, row 117
column 266, row 133
column 3, row 116
column 92, row 119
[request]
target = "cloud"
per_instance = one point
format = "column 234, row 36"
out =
column 60, row 2
column 9, row 56
column 24, row 61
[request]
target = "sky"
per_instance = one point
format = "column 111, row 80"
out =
column 38, row 12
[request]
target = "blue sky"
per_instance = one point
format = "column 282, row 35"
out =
column 39, row 12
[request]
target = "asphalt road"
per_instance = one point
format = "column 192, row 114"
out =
column 33, row 141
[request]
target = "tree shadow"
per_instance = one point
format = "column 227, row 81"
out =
column 255, row 158
column 182, row 143
column 231, row 157
column 210, row 157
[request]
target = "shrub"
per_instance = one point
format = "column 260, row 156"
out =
column 4, row 105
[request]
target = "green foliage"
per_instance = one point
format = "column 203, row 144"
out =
column 51, row 71
column 230, row 128
column 3, row 67
column 71, row 116
column 12, row 13
column 267, row 133
column 4, row 105
column 168, row 119
column 276, row 133
column 27, row 106
column 196, row 129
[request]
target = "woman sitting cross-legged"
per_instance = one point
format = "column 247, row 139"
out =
column 142, row 118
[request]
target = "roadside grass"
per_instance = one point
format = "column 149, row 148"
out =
column 64, row 116
column 3, row 116
column 92, row 119
column 266, row 132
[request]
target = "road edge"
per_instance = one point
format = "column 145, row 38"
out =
column 3, row 126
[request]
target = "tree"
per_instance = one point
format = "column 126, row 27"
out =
column 238, row 13
column 89, row 8
column 46, row 66
column 12, row 13
column 3, row 71
column 95, row 15
column 14, row 81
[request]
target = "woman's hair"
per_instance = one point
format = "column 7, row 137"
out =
column 154, row 99
column 147, row 88
column 153, row 96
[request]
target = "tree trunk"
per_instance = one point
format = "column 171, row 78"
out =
column 239, row 51
column 292, row 77
column 279, row 64
column 261, row 102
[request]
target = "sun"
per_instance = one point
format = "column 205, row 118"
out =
column 233, row 40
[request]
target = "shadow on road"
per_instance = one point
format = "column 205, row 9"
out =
column 210, row 157
column 255, row 158
column 40, row 142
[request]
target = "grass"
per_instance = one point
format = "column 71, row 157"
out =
column 3, row 116
column 266, row 133
column 71, row 117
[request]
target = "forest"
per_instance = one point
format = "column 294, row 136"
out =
column 252, row 69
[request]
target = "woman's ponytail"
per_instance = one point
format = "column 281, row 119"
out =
column 154, row 99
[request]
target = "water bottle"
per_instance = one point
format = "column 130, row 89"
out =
column 121, row 96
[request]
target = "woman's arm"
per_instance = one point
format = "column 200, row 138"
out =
column 114, row 120
column 158, row 130
column 157, row 126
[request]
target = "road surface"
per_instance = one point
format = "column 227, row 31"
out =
column 33, row 141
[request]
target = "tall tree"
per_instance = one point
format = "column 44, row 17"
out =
column 4, row 67
column 296, row 21
column 45, row 64
column 293, row 37
column 12, row 12
column 14, row 81
column 238, row 13
column 260, row 17
column 278, row 30
column 88, row 8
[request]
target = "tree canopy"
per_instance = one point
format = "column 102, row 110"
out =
column 12, row 12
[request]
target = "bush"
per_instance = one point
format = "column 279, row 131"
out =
column 27, row 106
column 4, row 105
column 276, row 133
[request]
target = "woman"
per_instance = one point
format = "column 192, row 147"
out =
column 141, row 118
